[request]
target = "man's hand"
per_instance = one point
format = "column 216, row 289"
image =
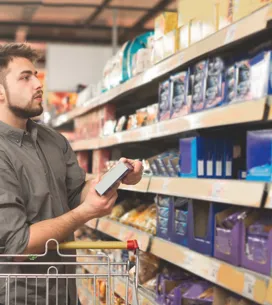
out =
column 135, row 175
column 94, row 205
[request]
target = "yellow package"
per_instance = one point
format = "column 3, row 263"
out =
column 164, row 23
column 241, row 9
column 171, row 43
column 224, row 13
column 200, row 11
column 257, row 4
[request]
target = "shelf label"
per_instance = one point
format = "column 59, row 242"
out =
column 249, row 283
column 217, row 188
column 189, row 260
column 181, row 58
column 213, row 271
column 230, row 36
column 165, row 184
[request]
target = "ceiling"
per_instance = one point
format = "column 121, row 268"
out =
column 78, row 21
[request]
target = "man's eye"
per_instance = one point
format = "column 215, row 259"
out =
column 26, row 78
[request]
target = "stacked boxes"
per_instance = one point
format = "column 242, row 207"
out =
column 206, row 157
column 259, row 155
column 166, row 36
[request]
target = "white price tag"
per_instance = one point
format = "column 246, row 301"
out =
column 181, row 58
column 213, row 271
column 217, row 188
column 230, row 34
column 165, row 184
column 249, row 283
column 189, row 260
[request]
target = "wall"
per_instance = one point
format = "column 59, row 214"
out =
column 68, row 65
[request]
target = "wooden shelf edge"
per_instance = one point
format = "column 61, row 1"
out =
column 244, row 282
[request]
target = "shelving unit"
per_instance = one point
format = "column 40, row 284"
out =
column 247, row 26
column 251, row 285
column 144, row 297
column 235, row 192
column 251, row 111
column 254, row 286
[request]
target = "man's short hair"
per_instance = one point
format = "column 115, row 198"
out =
column 13, row 50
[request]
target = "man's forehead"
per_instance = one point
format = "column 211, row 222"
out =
column 18, row 65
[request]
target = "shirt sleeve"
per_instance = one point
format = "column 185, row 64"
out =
column 75, row 176
column 14, row 229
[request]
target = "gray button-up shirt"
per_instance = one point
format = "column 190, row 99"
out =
column 39, row 179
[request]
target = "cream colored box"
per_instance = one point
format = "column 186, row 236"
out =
column 165, row 23
column 158, row 51
column 184, row 37
column 171, row 43
column 257, row 4
column 224, row 13
column 198, row 10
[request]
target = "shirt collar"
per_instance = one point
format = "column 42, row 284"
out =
column 16, row 135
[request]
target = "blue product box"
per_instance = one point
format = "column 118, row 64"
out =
column 215, row 83
column 219, row 158
column 242, row 175
column 199, row 86
column 161, row 165
column 243, row 82
column 228, row 159
column 179, row 232
column 181, row 215
column 192, row 163
column 209, row 157
column 164, row 216
column 259, row 155
column 163, row 212
column 180, row 228
column 164, row 101
column 231, row 84
column 180, row 99
column 201, row 225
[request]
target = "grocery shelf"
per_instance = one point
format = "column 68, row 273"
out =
column 250, row 111
column 249, row 284
column 252, row 285
column 144, row 297
column 241, row 29
column 236, row 192
column 141, row 187
column 121, row 232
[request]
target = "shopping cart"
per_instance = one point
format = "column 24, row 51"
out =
column 95, row 275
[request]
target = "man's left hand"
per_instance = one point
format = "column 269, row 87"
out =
column 136, row 173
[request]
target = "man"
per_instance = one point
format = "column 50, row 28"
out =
column 43, row 194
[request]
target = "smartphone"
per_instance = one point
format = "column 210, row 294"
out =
column 115, row 174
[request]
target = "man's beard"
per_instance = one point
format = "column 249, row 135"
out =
column 27, row 112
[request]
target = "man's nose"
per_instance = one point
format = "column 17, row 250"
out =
column 38, row 84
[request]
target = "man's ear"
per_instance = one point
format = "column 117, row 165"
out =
column 2, row 94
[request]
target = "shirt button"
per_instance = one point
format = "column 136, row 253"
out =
column 17, row 141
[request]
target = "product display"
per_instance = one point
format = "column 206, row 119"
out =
column 180, row 97
column 164, row 101
column 187, row 93
column 259, row 150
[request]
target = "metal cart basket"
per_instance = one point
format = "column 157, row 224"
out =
column 69, row 279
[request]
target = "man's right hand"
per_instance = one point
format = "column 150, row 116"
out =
column 96, row 206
